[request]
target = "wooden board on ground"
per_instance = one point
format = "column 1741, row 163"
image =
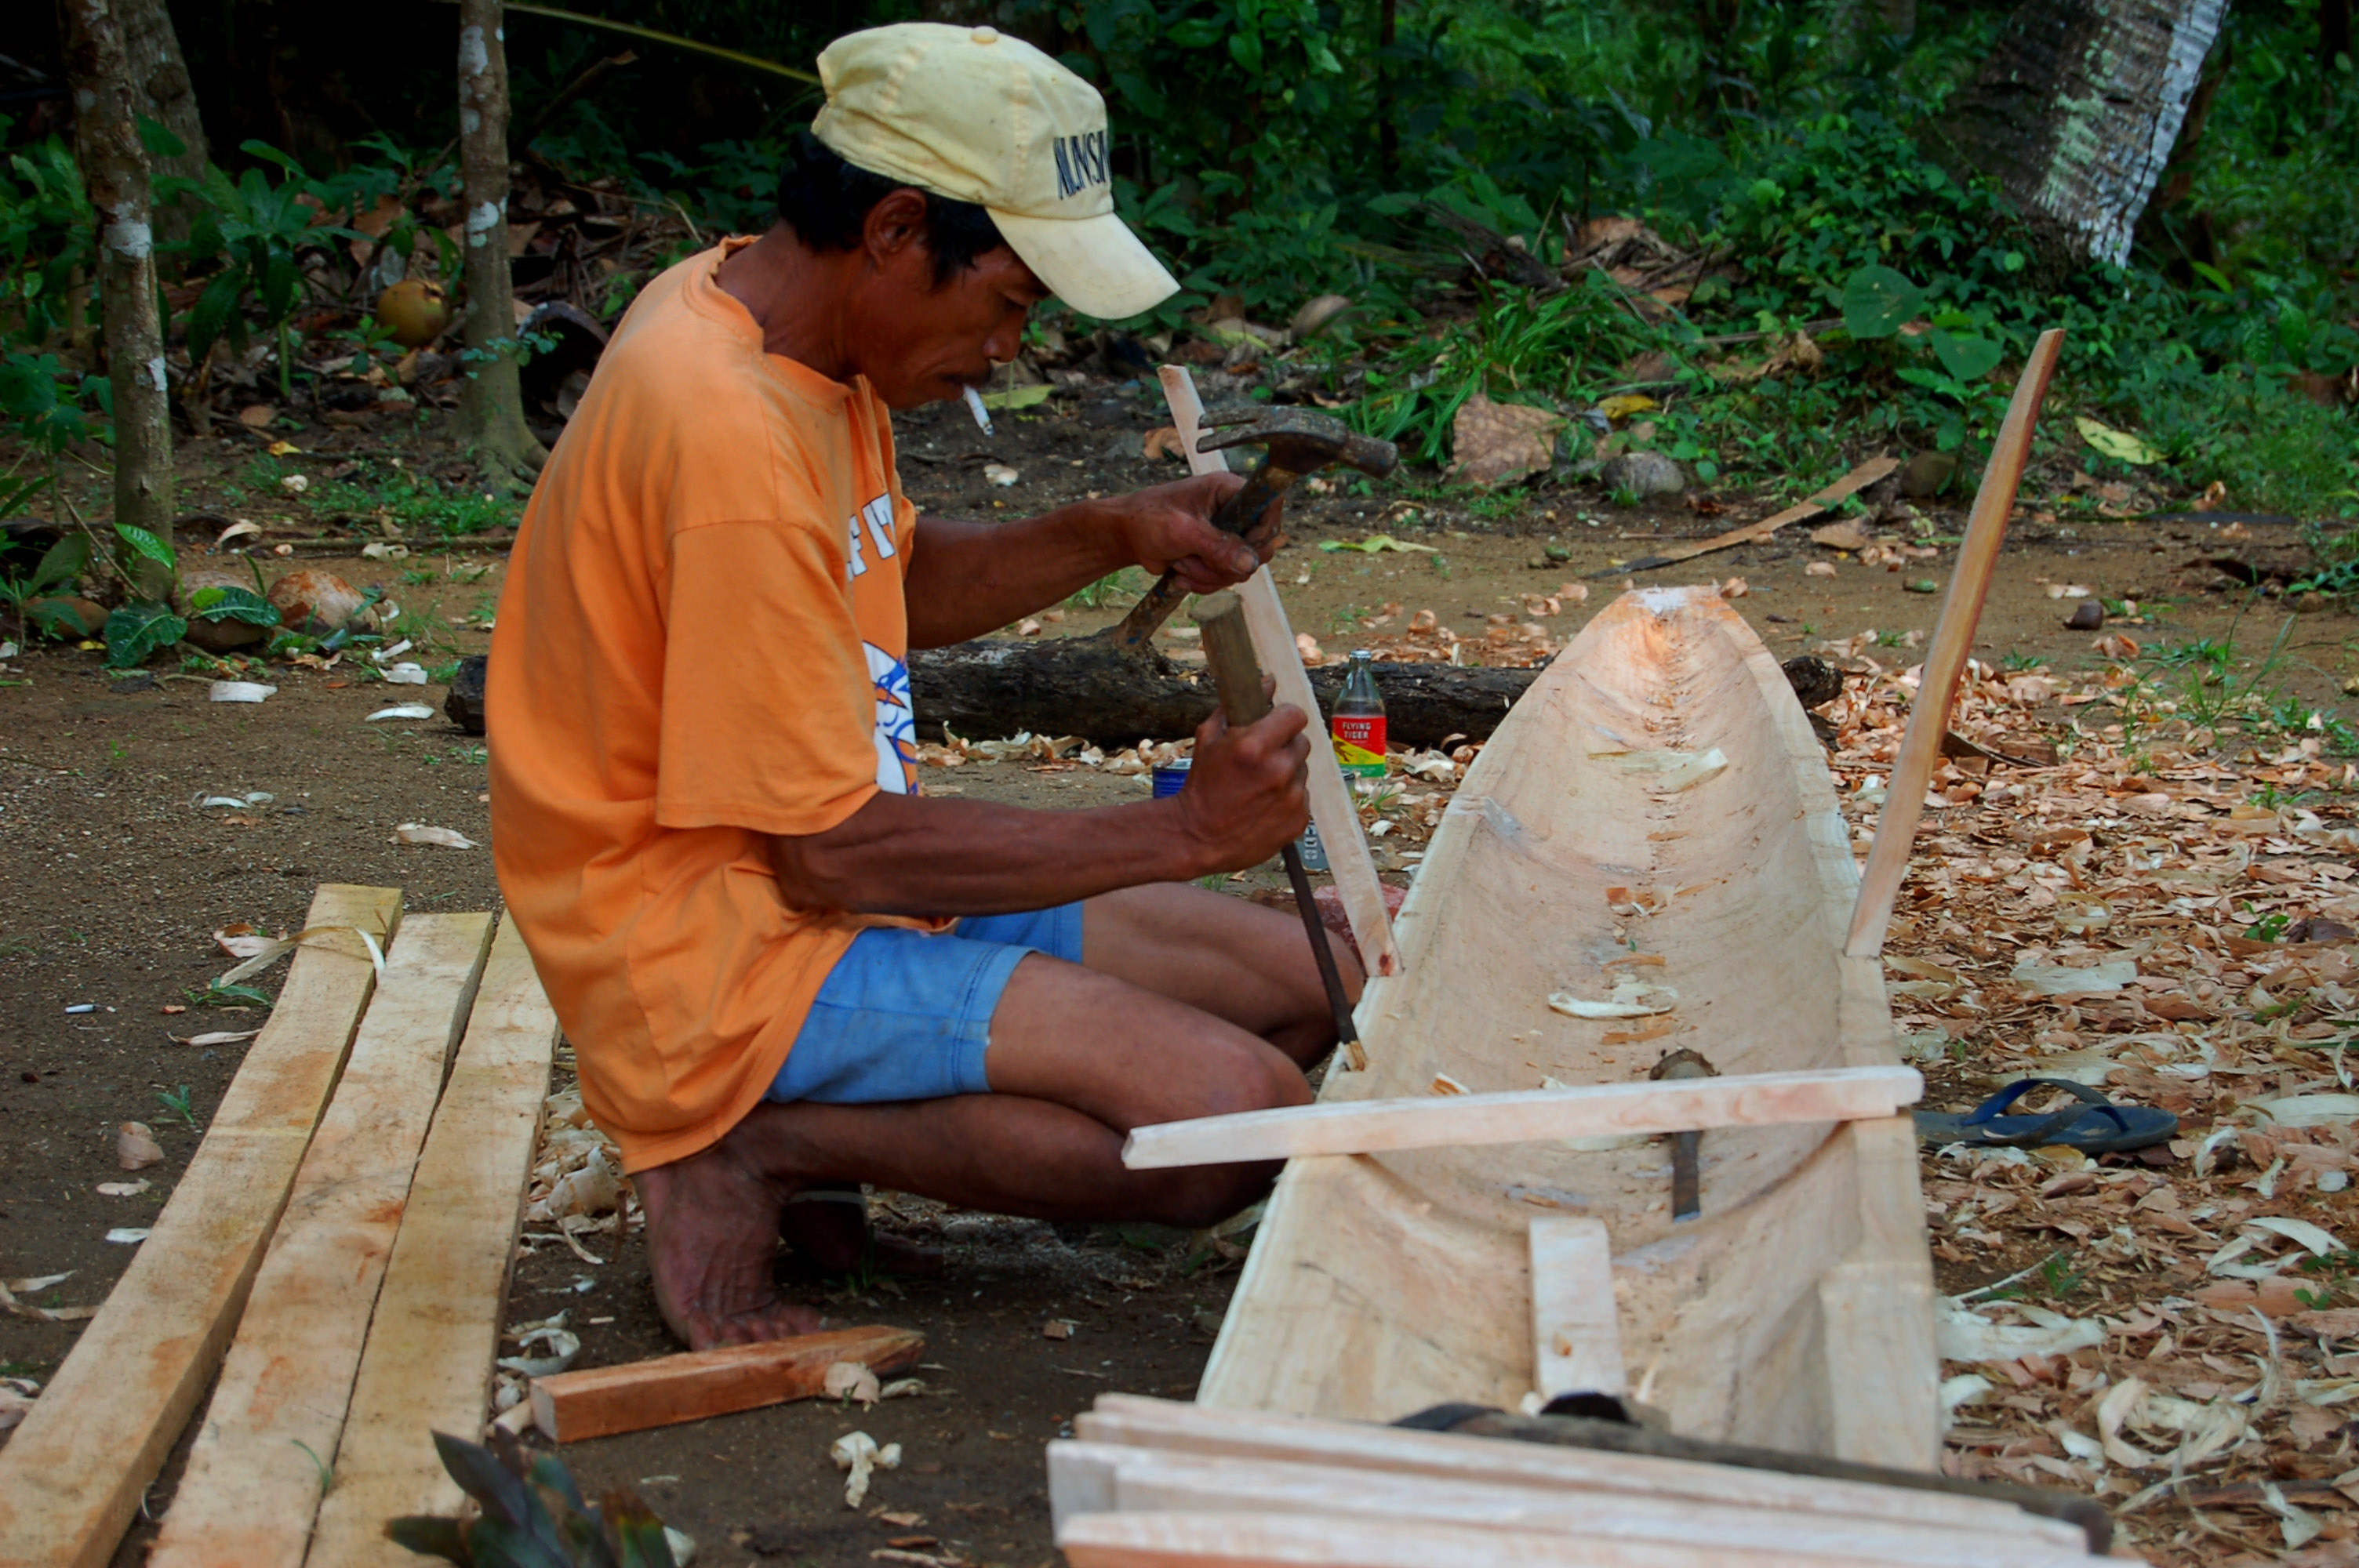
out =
column 1138, row 1480
column 1835, row 494
column 696, row 1384
column 428, row 1367
column 74, row 1472
column 1525, row 1116
column 252, row 1484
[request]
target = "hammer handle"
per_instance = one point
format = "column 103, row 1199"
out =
column 1236, row 674
column 1237, row 516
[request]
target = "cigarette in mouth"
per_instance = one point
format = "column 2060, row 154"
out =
column 974, row 403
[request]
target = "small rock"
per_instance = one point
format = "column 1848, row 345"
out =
column 2087, row 616
column 464, row 706
column 1558, row 553
column 1644, row 474
column 1927, row 474
column 1537, row 564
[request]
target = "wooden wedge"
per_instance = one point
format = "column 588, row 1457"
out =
column 253, row 1481
column 1523, row 1116
column 1338, row 820
column 428, row 1364
column 1945, row 657
column 74, row 1472
column 1851, row 484
column 669, row 1390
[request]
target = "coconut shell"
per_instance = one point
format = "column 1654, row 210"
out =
column 316, row 603
column 413, row 312
column 217, row 636
column 88, row 616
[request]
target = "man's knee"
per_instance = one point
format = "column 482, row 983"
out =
column 1245, row 1074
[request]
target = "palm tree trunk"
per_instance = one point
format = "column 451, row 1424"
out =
column 491, row 407
column 114, row 172
column 2076, row 113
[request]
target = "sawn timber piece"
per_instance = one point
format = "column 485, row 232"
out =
column 1382, row 1284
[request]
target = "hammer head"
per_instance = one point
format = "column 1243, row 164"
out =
column 1300, row 440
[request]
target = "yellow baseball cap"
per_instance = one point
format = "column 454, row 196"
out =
column 975, row 115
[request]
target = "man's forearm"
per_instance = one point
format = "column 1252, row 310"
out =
column 967, row 578
column 907, row 855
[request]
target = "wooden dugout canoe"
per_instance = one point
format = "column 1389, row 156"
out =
column 1795, row 1311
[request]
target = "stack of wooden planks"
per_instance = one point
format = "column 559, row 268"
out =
column 348, row 1219
column 1148, row 1484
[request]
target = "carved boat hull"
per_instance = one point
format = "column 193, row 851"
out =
column 1795, row 1311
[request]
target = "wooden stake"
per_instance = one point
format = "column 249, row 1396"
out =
column 1520, row 1116
column 599, row 1400
column 428, row 1367
column 252, row 1485
column 1576, row 1326
column 1945, row 659
column 1348, row 863
column 75, row 1472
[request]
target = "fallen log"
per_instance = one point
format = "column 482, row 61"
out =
column 1076, row 685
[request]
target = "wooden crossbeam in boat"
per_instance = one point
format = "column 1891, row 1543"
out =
column 1522, row 1115
column 1576, row 1327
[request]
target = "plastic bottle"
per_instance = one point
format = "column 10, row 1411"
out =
column 1357, row 725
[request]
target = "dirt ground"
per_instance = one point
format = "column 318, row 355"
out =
column 114, row 875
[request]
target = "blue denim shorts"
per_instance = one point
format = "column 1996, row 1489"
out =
column 907, row 1014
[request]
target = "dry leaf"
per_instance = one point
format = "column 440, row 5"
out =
column 240, row 941
column 1163, row 442
column 135, row 1148
column 1497, row 443
column 1734, row 587
column 257, row 415
column 1847, row 534
column 418, row 833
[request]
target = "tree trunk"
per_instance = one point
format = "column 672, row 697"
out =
column 1080, row 686
column 491, row 407
column 2076, row 111
column 162, row 91
column 114, row 171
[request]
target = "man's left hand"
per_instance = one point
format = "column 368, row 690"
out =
column 1170, row 527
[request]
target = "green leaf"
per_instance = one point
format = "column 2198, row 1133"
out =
column 137, row 630
column 2119, row 444
column 160, row 141
column 1876, row 300
column 145, row 544
column 430, row 1537
column 1019, row 397
column 1964, row 356
column 221, row 602
column 62, row 562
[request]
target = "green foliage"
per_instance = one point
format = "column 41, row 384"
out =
column 417, row 503
column 532, row 1515
column 136, row 631
column 220, row 602
column 52, row 573
column 46, row 232
column 39, row 395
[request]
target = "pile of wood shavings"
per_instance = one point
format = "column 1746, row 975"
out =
column 2167, row 916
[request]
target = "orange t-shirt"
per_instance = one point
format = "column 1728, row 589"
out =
column 701, row 641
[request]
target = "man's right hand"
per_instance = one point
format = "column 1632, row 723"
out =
column 1246, row 793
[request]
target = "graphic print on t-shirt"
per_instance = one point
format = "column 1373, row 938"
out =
column 896, row 722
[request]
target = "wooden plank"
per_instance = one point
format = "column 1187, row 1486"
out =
column 1348, row 1541
column 74, row 1472
column 1378, row 1450
column 1576, row 1328
column 1945, row 657
column 1349, row 860
column 1143, row 1481
column 1878, row 1307
column 428, row 1364
column 1851, row 484
column 1523, row 1116
column 598, row 1400
column 252, row 1485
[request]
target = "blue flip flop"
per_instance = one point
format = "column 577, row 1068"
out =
column 2094, row 1126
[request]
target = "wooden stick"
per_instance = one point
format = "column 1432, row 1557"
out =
column 598, row 1400
column 1576, row 1326
column 428, row 1366
column 1348, row 863
column 1945, row 660
column 252, row 1485
column 1523, row 1116
column 75, row 1472
column 1851, row 484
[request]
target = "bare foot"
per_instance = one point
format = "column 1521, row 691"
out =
column 829, row 1225
column 712, row 1237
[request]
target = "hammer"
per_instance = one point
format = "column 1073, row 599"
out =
column 1295, row 441
column 1228, row 651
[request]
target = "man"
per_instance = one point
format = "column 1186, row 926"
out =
column 782, row 969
